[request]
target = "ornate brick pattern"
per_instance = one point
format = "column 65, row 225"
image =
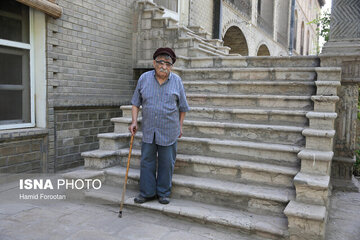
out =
column 345, row 19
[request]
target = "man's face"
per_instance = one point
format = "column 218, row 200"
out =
column 162, row 66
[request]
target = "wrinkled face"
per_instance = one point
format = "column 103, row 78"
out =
column 162, row 66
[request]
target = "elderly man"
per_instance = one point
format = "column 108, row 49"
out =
column 162, row 96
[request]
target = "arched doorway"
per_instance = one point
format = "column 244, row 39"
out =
column 235, row 39
column 263, row 51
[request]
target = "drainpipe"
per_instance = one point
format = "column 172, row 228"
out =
column 292, row 20
column 217, row 19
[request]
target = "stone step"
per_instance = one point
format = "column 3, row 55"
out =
column 285, row 155
column 232, row 131
column 270, row 227
column 202, row 166
column 259, row 73
column 198, row 30
column 242, row 115
column 247, row 62
column 307, row 220
column 77, row 190
column 250, row 101
column 306, row 88
column 195, row 51
column 223, row 50
column 312, row 188
column 252, row 198
column 219, row 51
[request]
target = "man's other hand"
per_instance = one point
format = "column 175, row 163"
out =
column 181, row 132
column 133, row 128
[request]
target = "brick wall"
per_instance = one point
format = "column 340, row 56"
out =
column 89, row 59
column 23, row 151
column 90, row 53
column 76, row 131
column 201, row 14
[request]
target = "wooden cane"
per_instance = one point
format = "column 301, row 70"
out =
column 126, row 176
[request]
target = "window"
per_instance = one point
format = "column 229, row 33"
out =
column 295, row 30
column 16, row 54
column 169, row 4
column 302, row 39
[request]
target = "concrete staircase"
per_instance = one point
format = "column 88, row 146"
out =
column 256, row 152
column 154, row 31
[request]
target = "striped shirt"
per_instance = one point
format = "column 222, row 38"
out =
column 161, row 105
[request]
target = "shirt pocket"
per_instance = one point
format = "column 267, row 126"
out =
column 171, row 98
column 170, row 101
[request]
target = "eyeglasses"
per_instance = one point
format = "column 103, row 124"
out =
column 161, row 62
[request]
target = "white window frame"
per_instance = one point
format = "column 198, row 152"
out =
column 27, row 46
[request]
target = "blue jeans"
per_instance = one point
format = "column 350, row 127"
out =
column 150, row 184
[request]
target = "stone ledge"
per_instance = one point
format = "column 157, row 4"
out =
column 307, row 211
column 318, row 155
column 321, row 115
column 320, row 98
column 12, row 134
column 309, row 132
column 313, row 181
column 328, row 83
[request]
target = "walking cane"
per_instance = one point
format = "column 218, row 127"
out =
column 126, row 176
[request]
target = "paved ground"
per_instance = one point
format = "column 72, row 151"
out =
column 73, row 220
column 344, row 217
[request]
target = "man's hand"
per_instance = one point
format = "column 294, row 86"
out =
column 133, row 128
column 181, row 132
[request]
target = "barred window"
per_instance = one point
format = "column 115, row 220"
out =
column 16, row 98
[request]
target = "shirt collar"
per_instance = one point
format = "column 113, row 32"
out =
column 170, row 76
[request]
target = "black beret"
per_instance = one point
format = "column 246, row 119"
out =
column 167, row 51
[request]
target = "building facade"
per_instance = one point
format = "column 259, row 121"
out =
column 252, row 27
column 79, row 59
